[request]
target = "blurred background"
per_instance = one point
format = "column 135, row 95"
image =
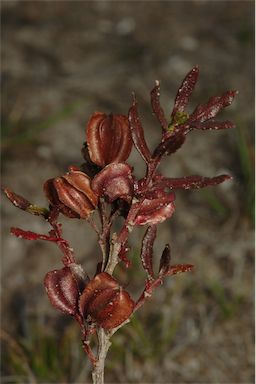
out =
column 63, row 60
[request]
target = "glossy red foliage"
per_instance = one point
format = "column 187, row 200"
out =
column 155, row 211
column 147, row 250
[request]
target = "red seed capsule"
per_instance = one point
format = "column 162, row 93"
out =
column 62, row 290
column 105, row 302
column 72, row 193
column 114, row 181
column 108, row 138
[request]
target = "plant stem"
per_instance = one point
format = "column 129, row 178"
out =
column 103, row 347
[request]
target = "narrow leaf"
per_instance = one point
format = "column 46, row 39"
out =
column 209, row 110
column 156, row 107
column 212, row 125
column 164, row 264
column 22, row 203
column 137, row 132
column 147, row 250
column 174, row 269
column 185, row 91
column 17, row 200
column 28, row 235
column 192, row 182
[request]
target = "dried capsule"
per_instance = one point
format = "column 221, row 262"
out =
column 72, row 193
column 105, row 302
column 108, row 138
column 62, row 290
column 114, row 181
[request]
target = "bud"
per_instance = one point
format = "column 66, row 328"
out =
column 103, row 301
column 108, row 138
column 155, row 211
column 72, row 193
column 114, row 181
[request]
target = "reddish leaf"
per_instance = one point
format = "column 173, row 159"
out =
column 170, row 145
column 62, row 290
column 22, row 203
column 123, row 255
column 28, row 235
column 147, row 250
column 212, row 125
column 165, row 260
column 185, row 91
column 174, row 269
column 16, row 200
column 209, row 110
column 191, row 182
column 156, row 107
column 137, row 132
column 155, row 211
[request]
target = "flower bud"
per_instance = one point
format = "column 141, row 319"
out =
column 155, row 211
column 114, row 181
column 72, row 193
column 108, row 138
column 103, row 301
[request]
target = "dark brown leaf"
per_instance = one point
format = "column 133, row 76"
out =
column 212, row 125
column 174, row 269
column 170, row 145
column 147, row 250
column 185, row 91
column 191, row 182
column 209, row 110
column 156, row 107
column 137, row 132
column 28, row 235
column 22, row 203
column 165, row 260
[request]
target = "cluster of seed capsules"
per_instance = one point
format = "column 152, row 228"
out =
column 105, row 185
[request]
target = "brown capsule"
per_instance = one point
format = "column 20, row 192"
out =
column 108, row 138
column 114, row 181
column 105, row 302
column 62, row 290
column 72, row 193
